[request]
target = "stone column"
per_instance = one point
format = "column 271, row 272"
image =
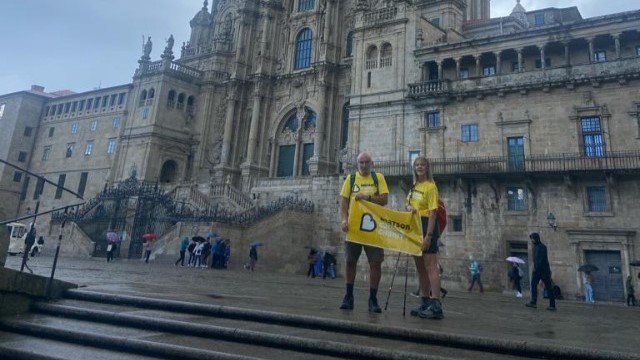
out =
column 478, row 65
column 616, row 39
column 228, row 124
column 498, row 65
column 519, row 51
column 458, row 60
column 439, row 70
column 274, row 155
column 541, row 47
column 255, row 122
column 566, row 54
column 591, row 52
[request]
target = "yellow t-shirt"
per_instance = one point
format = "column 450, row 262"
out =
column 364, row 185
column 424, row 197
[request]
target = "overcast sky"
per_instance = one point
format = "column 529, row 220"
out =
column 81, row 45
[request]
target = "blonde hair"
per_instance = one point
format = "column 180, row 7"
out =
column 429, row 173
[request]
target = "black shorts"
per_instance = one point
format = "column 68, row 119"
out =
column 433, row 248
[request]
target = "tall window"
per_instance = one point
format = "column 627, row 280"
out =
column 38, row 190
column 516, row 199
column 470, row 133
column 111, row 147
column 304, row 43
column 121, row 98
column 145, row 112
column 61, row 180
column 83, row 183
column 74, row 128
column 22, row 156
column 17, row 176
column 592, row 138
column 489, row 70
column 27, row 131
column 46, row 153
column 386, row 53
column 115, row 123
column 70, row 147
column 88, row 148
column 51, row 131
column 596, row 199
column 94, row 125
column 305, row 5
column 1, row 110
column 432, row 119
column 349, row 46
column 464, row 73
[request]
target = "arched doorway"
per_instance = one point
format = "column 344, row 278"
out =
column 169, row 172
column 296, row 143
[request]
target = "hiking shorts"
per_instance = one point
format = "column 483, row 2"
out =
column 353, row 250
column 433, row 248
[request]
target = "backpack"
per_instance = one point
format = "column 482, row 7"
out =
column 352, row 180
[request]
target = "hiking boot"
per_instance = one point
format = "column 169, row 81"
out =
column 551, row 308
column 519, row 295
column 531, row 305
column 433, row 311
column 425, row 304
column 347, row 303
column 373, row 306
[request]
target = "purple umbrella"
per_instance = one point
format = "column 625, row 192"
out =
column 112, row 237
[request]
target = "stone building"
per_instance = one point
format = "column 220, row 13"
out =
column 531, row 121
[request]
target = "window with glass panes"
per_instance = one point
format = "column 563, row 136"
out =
column 46, row 152
column 469, row 133
column 88, row 148
column 592, row 136
column 597, row 199
column 433, row 119
column 111, row 147
column 303, row 49
column 516, row 199
column 305, row 5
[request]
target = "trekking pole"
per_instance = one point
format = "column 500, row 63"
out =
column 406, row 275
column 392, row 279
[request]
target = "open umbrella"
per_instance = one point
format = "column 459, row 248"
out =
column 635, row 263
column 112, row 236
column 198, row 239
column 515, row 259
column 149, row 236
column 588, row 268
column 256, row 243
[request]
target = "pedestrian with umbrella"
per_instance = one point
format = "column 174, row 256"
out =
column 112, row 240
column 253, row 254
column 587, row 280
column 516, row 274
column 149, row 239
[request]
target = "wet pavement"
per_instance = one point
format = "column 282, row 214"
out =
column 599, row 327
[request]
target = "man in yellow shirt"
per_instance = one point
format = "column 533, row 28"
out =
column 367, row 186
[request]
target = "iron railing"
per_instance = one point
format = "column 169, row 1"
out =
column 618, row 161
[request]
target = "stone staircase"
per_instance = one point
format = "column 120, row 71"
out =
column 98, row 325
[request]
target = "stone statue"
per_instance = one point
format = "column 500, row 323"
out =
column 169, row 43
column 147, row 47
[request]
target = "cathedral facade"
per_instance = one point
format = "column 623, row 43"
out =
column 531, row 122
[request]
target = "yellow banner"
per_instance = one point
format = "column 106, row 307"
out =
column 375, row 225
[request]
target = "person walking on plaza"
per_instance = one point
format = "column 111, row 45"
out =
column 631, row 297
column 476, row 269
column 253, row 257
column 423, row 199
column 363, row 185
column 184, row 244
column 111, row 248
column 515, row 274
column 148, row 248
column 541, row 272
column 587, row 280
column 311, row 260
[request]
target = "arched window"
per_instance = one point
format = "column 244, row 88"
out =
column 171, row 99
column 305, row 5
column 169, row 172
column 304, row 43
column 310, row 121
column 143, row 98
column 291, row 124
column 372, row 57
column 152, row 93
column 349, row 52
column 386, row 53
column 190, row 104
column 180, row 104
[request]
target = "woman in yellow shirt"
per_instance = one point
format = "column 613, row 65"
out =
column 423, row 199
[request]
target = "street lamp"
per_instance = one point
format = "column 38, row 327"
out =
column 551, row 220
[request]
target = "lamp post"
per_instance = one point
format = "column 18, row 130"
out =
column 551, row 220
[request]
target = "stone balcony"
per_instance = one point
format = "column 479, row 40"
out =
column 541, row 79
